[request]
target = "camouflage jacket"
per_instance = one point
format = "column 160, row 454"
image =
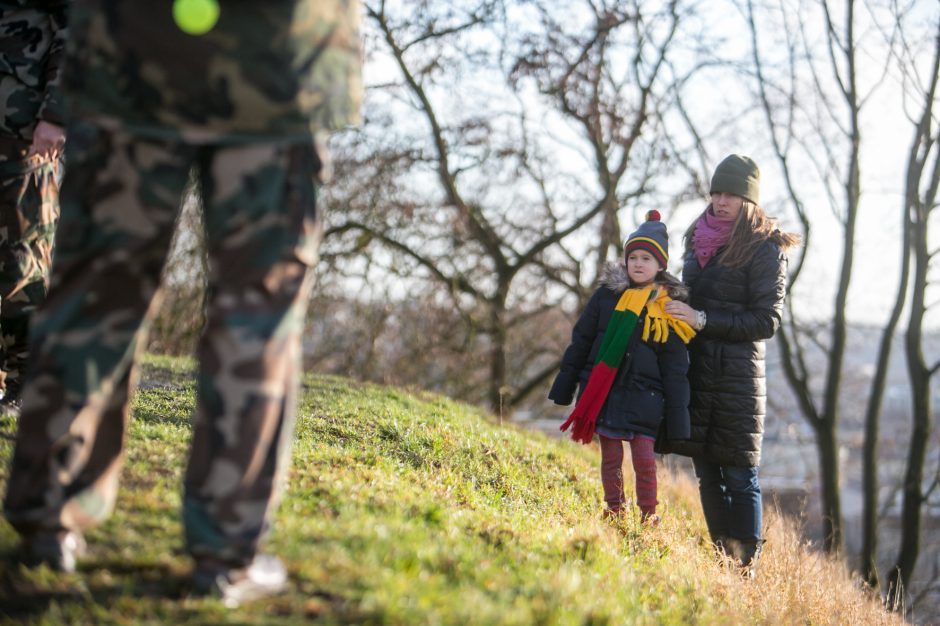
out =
column 32, row 41
column 272, row 69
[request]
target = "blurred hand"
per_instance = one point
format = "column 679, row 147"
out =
column 48, row 140
column 682, row 311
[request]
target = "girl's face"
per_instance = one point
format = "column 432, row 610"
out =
column 642, row 267
column 726, row 205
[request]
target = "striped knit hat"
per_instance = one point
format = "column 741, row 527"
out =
column 652, row 237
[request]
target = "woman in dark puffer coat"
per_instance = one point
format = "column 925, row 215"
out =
column 736, row 269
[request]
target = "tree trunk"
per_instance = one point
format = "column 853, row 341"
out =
column 868, row 559
column 919, row 376
column 828, row 447
column 919, row 209
column 609, row 233
column 498, row 335
column 913, row 497
column 869, row 555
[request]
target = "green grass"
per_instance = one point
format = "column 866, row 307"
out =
column 401, row 508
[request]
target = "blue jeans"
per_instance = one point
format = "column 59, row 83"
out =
column 731, row 500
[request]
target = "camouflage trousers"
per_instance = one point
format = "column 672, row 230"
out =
column 29, row 209
column 120, row 200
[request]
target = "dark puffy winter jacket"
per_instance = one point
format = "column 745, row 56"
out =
column 743, row 308
column 651, row 381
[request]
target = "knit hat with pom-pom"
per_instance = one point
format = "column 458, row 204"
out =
column 650, row 236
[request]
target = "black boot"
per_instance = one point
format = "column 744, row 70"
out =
column 748, row 555
column 722, row 545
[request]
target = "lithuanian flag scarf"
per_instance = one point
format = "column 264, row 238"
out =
column 620, row 329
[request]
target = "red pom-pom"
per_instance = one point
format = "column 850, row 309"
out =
column 652, row 216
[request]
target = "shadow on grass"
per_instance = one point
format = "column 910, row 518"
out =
column 155, row 376
column 183, row 420
column 26, row 594
column 29, row 595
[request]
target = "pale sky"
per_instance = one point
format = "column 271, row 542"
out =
column 885, row 138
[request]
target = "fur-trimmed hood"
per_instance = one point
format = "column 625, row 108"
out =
column 614, row 277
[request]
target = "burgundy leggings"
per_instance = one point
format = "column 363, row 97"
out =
column 644, row 466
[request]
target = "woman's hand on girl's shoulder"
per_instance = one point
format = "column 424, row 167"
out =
column 681, row 311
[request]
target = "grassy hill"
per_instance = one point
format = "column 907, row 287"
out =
column 408, row 508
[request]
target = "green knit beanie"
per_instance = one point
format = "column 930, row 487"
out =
column 738, row 175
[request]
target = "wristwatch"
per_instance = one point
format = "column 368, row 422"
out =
column 700, row 320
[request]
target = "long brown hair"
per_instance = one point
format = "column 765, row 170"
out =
column 751, row 228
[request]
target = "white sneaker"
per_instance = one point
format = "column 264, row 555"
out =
column 265, row 576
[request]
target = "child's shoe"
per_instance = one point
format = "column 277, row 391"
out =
column 613, row 514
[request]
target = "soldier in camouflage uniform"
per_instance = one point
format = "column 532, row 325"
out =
column 32, row 38
column 244, row 104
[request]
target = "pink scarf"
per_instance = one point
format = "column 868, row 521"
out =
column 711, row 233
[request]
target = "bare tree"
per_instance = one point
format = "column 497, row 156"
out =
column 870, row 484
column 870, row 506
column 922, row 184
column 479, row 197
column 613, row 106
column 830, row 137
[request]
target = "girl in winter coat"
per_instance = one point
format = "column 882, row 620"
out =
column 736, row 270
column 628, row 356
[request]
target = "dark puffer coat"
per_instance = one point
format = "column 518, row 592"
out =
column 743, row 308
column 651, row 382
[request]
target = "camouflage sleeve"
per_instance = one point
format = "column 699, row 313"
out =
column 52, row 109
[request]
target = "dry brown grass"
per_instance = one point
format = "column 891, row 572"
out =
column 796, row 584
column 803, row 585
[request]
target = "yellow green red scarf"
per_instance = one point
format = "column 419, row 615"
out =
column 614, row 345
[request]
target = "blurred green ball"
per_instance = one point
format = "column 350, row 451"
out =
column 196, row 17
